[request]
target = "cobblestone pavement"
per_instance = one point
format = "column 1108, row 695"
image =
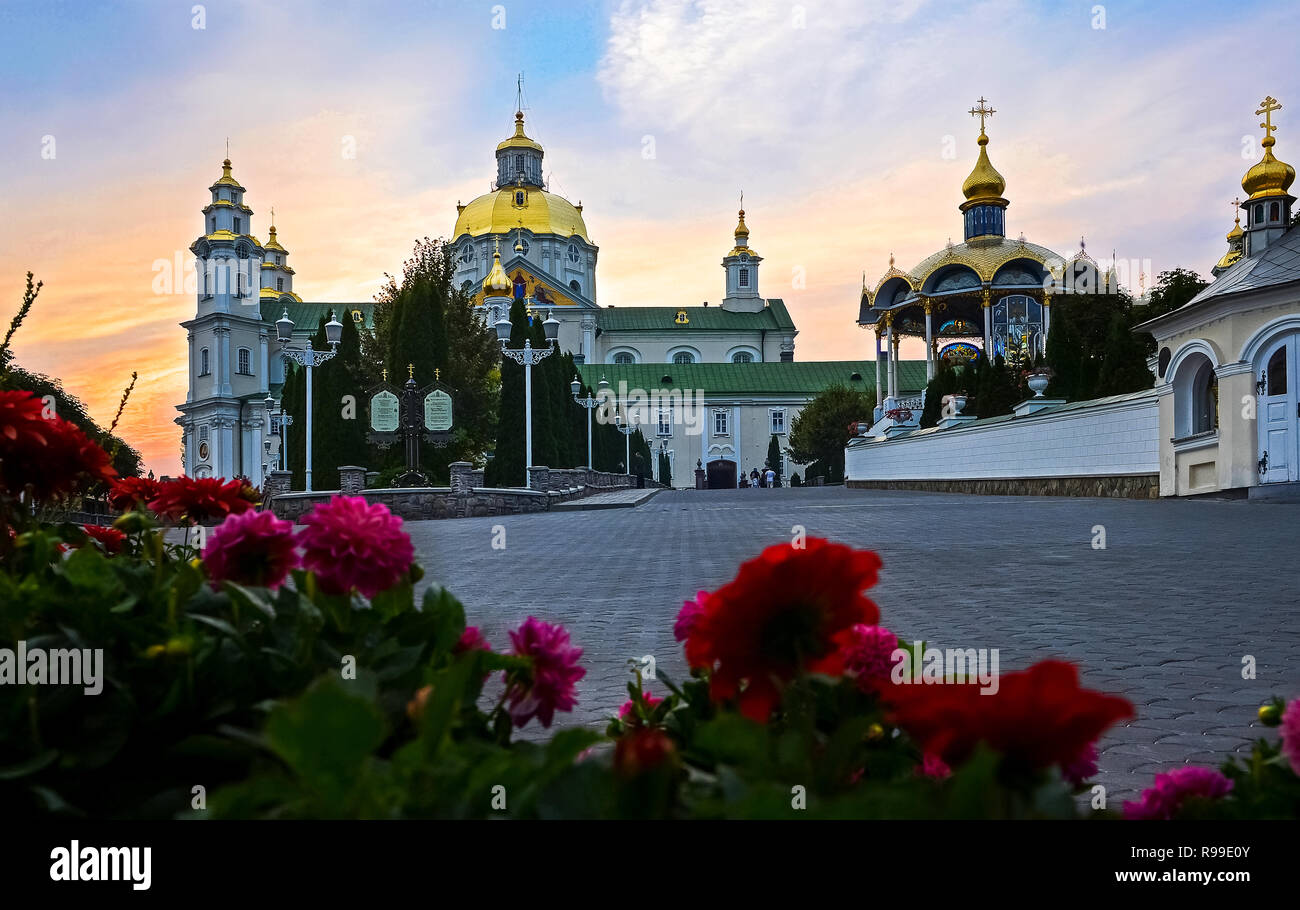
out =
column 1163, row 615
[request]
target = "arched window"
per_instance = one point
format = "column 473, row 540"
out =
column 624, row 357
column 467, row 253
column 1259, row 213
column 1205, row 400
column 466, row 285
column 203, row 362
column 1017, row 329
column 519, row 197
column 573, row 252
column 576, row 285
column 683, row 357
column 1274, row 212
column 742, row 357
column 244, row 362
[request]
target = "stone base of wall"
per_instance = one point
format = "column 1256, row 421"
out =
column 1131, row 486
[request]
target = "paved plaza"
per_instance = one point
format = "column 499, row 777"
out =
column 1163, row 615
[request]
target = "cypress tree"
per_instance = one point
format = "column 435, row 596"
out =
column 507, row 468
column 774, row 457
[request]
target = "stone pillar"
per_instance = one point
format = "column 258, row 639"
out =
column 539, row 478
column 462, row 476
column 929, row 344
column 352, row 479
column 701, row 477
column 277, row 482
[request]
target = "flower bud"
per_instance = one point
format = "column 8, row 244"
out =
column 1270, row 715
column 134, row 521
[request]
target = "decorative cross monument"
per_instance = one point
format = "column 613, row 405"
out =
column 418, row 413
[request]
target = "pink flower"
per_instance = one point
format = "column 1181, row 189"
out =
column 934, row 767
column 251, row 548
column 1291, row 734
column 689, row 615
column 471, row 640
column 555, row 672
column 867, row 654
column 350, row 543
column 1171, row 789
column 628, row 710
column 1081, row 769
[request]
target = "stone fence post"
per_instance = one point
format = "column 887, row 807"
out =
column 352, row 479
column 276, row 483
column 539, row 478
column 462, row 476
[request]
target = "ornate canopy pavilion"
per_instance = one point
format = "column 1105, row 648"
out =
column 986, row 294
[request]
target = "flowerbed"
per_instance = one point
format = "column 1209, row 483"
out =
column 282, row 675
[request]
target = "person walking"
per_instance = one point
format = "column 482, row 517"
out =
column 771, row 478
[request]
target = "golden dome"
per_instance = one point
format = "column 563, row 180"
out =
column 1269, row 177
column 984, row 184
column 273, row 244
column 1235, row 233
column 541, row 213
column 226, row 179
column 741, row 230
column 496, row 283
column 519, row 140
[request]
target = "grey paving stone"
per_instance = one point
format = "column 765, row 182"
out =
column 1163, row 616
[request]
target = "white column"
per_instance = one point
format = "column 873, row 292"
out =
column 225, row 361
column 189, row 388
column 265, row 364
column 1047, row 321
column 929, row 347
column 216, row 448
column 255, row 432
column 528, row 416
column 988, row 333
column 307, row 463
column 880, row 392
column 889, row 346
column 214, row 363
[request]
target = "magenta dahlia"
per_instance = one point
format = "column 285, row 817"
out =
column 628, row 711
column 350, row 543
column 251, row 548
column 1291, row 734
column 868, row 652
column 1171, row 789
column 934, row 767
column 1083, row 768
column 555, row 673
column 689, row 615
column 471, row 640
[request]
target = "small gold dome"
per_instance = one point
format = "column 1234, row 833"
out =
column 1269, row 177
column 984, row 182
column 1236, row 232
column 741, row 229
column 497, row 283
column 519, row 140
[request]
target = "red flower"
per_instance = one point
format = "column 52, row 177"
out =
column 1038, row 716
column 642, row 750
column 552, row 683
column 252, row 548
column 110, row 538
column 200, row 499
column 133, row 492
column 43, row 451
column 789, row 610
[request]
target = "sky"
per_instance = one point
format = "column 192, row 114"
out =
column 844, row 122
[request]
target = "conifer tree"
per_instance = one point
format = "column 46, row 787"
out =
column 507, row 468
column 774, row 457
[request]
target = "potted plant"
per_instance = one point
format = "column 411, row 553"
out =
column 1038, row 375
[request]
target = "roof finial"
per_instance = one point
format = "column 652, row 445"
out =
column 982, row 112
column 1267, row 107
column 272, row 219
column 519, row 96
column 1236, row 205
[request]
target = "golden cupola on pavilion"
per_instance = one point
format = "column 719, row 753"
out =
column 988, row 296
column 1268, row 202
column 497, row 283
column 1235, row 238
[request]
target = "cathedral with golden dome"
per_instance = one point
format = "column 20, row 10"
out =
column 988, row 295
column 520, row 240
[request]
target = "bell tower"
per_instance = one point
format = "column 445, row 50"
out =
column 741, row 265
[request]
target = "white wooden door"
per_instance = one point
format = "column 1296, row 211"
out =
column 1279, row 412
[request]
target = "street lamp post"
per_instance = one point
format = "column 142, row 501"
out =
column 589, row 403
column 526, row 357
column 626, row 430
column 310, row 358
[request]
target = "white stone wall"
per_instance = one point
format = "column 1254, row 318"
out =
column 1113, row 438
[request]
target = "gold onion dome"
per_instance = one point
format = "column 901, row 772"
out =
column 272, row 243
column 741, row 229
column 519, row 140
column 1236, row 232
column 1269, row 177
column 984, row 184
column 496, row 280
column 226, row 178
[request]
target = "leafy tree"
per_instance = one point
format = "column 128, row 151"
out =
column 818, row 433
column 665, row 469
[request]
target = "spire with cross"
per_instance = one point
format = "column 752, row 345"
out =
column 982, row 112
column 1267, row 107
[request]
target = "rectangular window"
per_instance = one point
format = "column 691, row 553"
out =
column 245, row 364
column 203, row 362
column 720, row 422
column 279, row 284
column 239, row 225
column 778, row 421
column 665, row 421
column 744, row 278
column 203, row 433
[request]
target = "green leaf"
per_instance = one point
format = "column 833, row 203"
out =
column 449, row 616
column 87, row 568
column 255, row 598
column 327, row 733
column 30, row 766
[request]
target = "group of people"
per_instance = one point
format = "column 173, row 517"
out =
column 757, row 478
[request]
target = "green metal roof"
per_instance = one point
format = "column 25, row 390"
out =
column 308, row 315
column 772, row 378
column 773, row 317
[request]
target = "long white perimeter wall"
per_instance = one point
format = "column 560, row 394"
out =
column 1106, row 437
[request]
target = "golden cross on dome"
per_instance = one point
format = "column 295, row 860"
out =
column 384, row 373
column 1236, row 205
column 227, row 146
column 982, row 112
column 1267, row 107
column 410, row 371
column 437, row 375
column 272, row 216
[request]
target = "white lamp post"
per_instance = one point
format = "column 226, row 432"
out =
column 626, row 430
column 310, row 358
column 285, row 420
column 589, row 402
column 526, row 357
